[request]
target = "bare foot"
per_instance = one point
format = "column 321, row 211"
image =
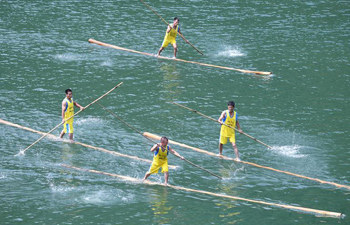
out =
column 165, row 184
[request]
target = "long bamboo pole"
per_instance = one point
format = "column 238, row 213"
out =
column 153, row 136
column 31, row 145
column 189, row 162
column 297, row 208
column 179, row 60
column 82, row 144
column 208, row 117
column 172, row 27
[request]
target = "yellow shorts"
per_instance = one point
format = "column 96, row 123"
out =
column 68, row 128
column 155, row 167
column 168, row 41
column 223, row 139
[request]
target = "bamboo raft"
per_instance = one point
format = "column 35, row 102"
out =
column 179, row 60
column 134, row 180
column 82, row 144
column 131, row 179
column 156, row 137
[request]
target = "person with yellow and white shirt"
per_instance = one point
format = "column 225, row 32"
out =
column 170, row 36
column 229, row 117
column 67, row 111
column 160, row 159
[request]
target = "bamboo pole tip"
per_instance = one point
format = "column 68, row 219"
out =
column 263, row 73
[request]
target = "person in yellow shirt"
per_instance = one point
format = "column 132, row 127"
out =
column 229, row 117
column 170, row 36
column 160, row 159
column 67, row 111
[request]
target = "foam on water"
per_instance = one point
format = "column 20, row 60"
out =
column 61, row 189
column 230, row 51
column 157, row 178
column 107, row 63
column 103, row 197
column 98, row 197
column 69, row 57
column 41, row 89
column 234, row 172
column 237, row 172
column 288, row 150
column 3, row 175
column 89, row 120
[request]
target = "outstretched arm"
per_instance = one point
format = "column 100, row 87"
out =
column 77, row 105
column 183, row 38
column 175, row 153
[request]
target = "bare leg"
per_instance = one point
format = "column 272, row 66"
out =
column 236, row 151
column 146, row 176
column 62, row 134
column 220, row 148
column 70, row 137
column 166, row 177
column 175, row 50
column 160, row 50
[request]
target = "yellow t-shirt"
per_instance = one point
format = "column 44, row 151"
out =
column 69, row 110
column 231, row 121
column 160, row 155
column 172, row 34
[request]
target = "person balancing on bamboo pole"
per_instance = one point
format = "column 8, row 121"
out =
column 68, row 111
column 160, row 159
column 170, row 36
column 229, row 117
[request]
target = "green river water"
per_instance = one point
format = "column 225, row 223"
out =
column 302, row 110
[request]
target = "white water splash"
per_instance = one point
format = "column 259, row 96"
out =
column 289, row 151
column 237, row 173
column 107, row 63
column 69, row 57
column 156, row 178
column 3, row 175
column 231, row 52
column 61, row 189
column 88, row 120
column 20, row 153
column 103, row 197
column 40, row 89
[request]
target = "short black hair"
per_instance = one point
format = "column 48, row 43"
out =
column 68, row 90
column 231, row 103
column 164, row 138
column 176, row 18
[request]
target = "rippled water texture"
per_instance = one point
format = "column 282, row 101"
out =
column 302, row 110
